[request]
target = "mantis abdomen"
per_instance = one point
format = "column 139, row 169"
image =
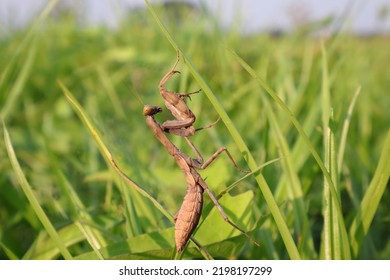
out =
column 188, row 216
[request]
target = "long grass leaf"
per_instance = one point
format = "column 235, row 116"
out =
column 336, row 243
column 10, row 254
column 370, row 202
column 294, row 187
column 91, row 238
column 344, row 132
column 333, row 239
column 17, row 87
column 28, row 191
column 330, row 219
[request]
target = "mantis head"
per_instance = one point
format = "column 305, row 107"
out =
column 150, row 110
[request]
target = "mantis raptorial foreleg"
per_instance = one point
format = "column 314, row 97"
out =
column 176, row 104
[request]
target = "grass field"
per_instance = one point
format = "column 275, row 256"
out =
column 310, row 116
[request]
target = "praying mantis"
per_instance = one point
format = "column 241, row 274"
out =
column 187, row 217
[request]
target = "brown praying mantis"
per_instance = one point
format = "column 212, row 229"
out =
column 188, row 216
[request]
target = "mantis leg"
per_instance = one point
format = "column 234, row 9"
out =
column 215, row 155
column 223, row 214
column 170, row 73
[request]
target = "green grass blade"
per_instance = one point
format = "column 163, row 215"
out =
column 371, row 199
column 344, row 133
column 295, row 192
column 10, row 254
column 333, row 239
column 336, row 243
column 330, row 228
column 91, row 238
column 28, row 191
column 17, row 87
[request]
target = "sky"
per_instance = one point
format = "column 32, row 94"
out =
column 255, row 15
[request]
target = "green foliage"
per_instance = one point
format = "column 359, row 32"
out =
column 70, row 102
